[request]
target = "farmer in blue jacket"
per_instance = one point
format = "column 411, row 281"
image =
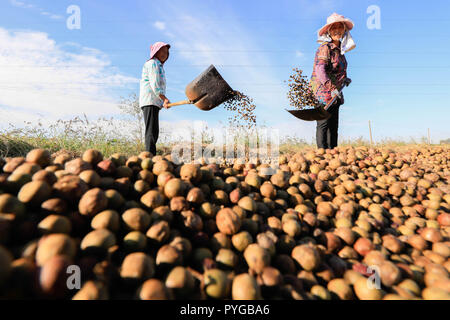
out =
column 153, row 92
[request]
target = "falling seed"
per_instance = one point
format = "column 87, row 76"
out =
column 243, row 108
column 300, row 94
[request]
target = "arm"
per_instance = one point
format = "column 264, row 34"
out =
column 325, row 80
column 323, row 58
column 156, row 83
column 322, row 75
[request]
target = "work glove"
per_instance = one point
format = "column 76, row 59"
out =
column 335, row 93
column 347, row 82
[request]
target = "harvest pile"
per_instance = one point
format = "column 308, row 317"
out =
column 300, row 94
column 243, row 109
column 144, row 228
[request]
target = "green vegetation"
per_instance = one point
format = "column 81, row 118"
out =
column 71, row 135
column 107, row 136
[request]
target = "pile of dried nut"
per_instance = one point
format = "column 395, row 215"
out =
column 324, row 226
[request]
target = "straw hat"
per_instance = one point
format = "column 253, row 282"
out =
column 156, row 47
column 333, row 19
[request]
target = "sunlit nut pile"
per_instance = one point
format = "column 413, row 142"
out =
column 243, row 109
column 143, row 227
column 300, row 94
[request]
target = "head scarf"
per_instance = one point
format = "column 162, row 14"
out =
column 347, row 42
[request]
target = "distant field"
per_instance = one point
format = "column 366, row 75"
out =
column 79, row 134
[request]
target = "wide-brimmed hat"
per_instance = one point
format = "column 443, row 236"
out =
column 333, row 19
column 156, row 47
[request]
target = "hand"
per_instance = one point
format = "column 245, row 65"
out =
column 166, row 103
column 347, row 81
column 335, row 93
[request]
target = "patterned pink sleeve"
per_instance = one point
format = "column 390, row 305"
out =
column 320, row 72
column 323, row 53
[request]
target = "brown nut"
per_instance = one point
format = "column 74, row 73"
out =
column 159, row 231
column 341, row 289
column 93, row 202
column 108, row 219
column 245, row 287
column 307, row 257
column 154, row 289
column 100, row 238
column 137, row 266
column 52, row 245
column 55, row 224
column 180, row 281
column 365, row 290
column 92, row 290
column 257, row 258
column 34, row 193
column 136, row 219
column 228, row 222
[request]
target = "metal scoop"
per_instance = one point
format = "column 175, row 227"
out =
column 314, row 114
column 207, row 91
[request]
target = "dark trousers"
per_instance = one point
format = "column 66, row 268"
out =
column 151, row 120
column 327, row 130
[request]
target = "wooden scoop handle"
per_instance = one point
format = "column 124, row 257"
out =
column 180, row 103
column 330, row 103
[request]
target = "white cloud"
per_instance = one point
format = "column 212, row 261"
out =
column 56, row 17
column 21, row 4
column 299, row 54
column 202, row 43
column 159, row 25
column 38, row 75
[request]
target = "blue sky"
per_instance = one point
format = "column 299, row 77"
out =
column 399, row 72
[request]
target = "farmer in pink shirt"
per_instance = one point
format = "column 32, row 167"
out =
column 152, row 96
column 330, row 74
